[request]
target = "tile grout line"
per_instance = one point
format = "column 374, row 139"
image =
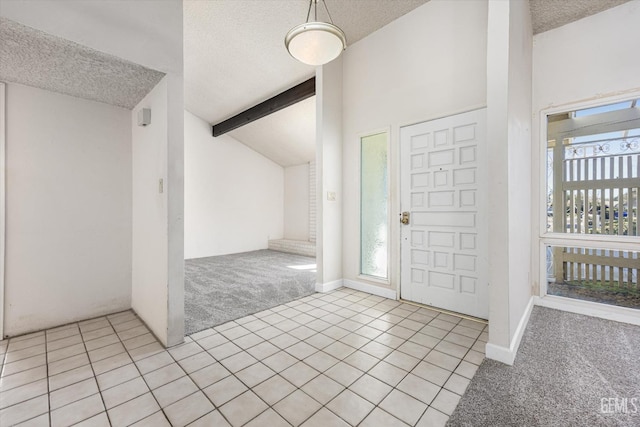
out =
column 46, row 359
column 31, row 382
column 65, row 325
column 83, row 341
column 317, row 303
column 90, row 363
column 95, row 378
column 322, row 373
column 4, row 357
column 233, row 374
column 421, row 360
column 133, row 362
column 337, row 340
column 216, row 407
column 367, row 373
column 392, row 387
column 269, row 406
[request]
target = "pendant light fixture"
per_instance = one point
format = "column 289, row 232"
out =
column 316, row 42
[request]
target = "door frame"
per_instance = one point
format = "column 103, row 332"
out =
column 396, row 198
column 3, row 194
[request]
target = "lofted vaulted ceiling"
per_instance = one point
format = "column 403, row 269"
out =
column 235, row 58
column 234, row 49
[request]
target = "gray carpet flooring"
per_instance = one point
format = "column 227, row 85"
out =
column 567, row 363
column 223, row 288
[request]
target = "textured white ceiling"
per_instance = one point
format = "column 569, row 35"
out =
column 35, row 58
column 549, row 14
column 234, row 58
column 234, row 54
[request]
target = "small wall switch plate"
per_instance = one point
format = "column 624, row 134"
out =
column 331, row 196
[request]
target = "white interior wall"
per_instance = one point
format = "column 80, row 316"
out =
column 497, row 137
column 296, row 202
column 329, row 197
column 175, row 203
column 3, row 212
column 312, row 201
column 593, row 58
column 519, row 160
column 440, row 70
column 68, row 242
column 147, row 33
column 234, row 197
column 591, row 61
column 149, row 295
column 509, row 59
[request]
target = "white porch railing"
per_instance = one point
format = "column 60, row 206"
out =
column 601, row 194
column 597, row 195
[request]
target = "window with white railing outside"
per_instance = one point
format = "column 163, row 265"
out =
column 593, row 182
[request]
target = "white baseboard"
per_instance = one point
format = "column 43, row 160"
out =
column 508, row 355
column 588, row 308
column 371, row 289
column 499, row 353
column 329, row 286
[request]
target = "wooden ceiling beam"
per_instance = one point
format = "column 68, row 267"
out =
column 283, row 100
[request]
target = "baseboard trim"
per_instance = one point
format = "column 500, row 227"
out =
column 508, row 355
column 164, row 344
column 371, row 289
column 329, row 286
column 499, row 353
column 588, row 308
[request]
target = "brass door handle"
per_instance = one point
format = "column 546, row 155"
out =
column 404, row 218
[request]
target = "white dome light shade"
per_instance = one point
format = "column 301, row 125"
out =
column 315, row 43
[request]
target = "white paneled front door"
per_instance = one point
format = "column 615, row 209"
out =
column 444, row 191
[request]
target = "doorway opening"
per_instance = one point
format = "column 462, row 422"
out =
column 250, row 215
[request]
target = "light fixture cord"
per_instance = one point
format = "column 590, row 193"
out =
column 327, row 9
column 309, row 11
column 315, row 10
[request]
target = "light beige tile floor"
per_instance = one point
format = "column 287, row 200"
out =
column 343, row 358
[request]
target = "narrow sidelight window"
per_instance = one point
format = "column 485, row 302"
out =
column 374, row 206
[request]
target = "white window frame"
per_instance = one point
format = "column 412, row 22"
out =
column 3, row 212
column 375, row 279
column 549, row 238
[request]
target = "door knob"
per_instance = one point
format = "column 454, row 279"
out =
column 404, row 218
